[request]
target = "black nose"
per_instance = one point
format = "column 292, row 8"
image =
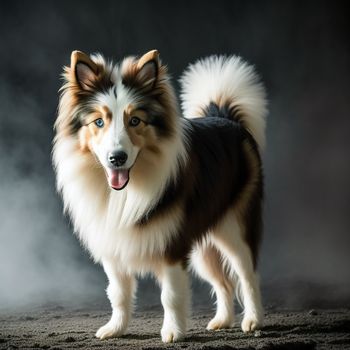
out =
column 117, row 158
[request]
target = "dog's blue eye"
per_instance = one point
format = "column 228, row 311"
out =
column 99, row 123
column 134, row 121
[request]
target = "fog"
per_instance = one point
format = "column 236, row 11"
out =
column 302, row 53
column 39, row 258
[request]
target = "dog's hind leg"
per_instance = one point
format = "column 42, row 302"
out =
column 228, row 237
column 120, row 291
column 207, row 263
column 175, row 299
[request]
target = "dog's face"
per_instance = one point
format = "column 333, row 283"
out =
column 120, row 113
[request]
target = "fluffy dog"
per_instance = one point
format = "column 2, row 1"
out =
column 150, row 191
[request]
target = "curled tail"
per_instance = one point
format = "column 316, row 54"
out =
column 229, row 87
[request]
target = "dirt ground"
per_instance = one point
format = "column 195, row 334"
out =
column 58, row 327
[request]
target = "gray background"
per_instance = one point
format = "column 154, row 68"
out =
column 300, row 48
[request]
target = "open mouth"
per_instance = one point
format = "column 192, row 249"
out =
column 117, row 178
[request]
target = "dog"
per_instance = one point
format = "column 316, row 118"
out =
column 151, row 190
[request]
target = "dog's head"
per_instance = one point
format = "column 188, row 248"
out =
column 118, row 113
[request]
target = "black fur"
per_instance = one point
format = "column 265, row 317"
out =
column 214, row 111
column 215, row 176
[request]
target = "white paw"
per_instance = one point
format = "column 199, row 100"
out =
column 219, row 323
column 171, row 335
column 110, row 330
column 251, row 323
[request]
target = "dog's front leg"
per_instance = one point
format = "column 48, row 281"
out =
column 120, row 292
column 175, row 300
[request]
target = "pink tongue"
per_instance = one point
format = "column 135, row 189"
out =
column 118, row 178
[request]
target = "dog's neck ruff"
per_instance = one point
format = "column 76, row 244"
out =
column 87, row 195
column 130, row 205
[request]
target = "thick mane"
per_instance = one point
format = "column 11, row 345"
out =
column 97, row 211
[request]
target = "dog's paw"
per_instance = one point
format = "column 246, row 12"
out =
column 109, row 330
column 251, row 323
column 219, row 323
column 171, row 335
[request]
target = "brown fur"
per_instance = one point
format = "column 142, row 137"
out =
column 240, row 189
column 89, row 131
column 141, row 135
column 248, row 205
column 147, row 57
column 158, row 98
column 74, row 95
column 240, row 192
column 214, row 266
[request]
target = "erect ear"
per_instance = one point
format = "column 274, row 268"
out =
column 84, row 68
column 147, row 68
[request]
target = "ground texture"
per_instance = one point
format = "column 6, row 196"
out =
column 57, row 327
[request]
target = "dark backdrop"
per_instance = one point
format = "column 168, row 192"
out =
column 300, row 48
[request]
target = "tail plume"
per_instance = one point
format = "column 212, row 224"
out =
column 225, row 83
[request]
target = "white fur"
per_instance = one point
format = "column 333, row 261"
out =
column 104, row 219
column 226, row 79
column 229, row 239
column 213, row 271
column 120, row 292
column 175, row 300
column 236, row 263
column 116, row 138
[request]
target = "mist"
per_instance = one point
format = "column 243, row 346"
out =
column 39, row 260
column 302, row 53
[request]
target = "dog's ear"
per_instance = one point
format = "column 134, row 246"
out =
column 147, row 68
column 84, row 70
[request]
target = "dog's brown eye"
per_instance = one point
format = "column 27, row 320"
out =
column 134, row 121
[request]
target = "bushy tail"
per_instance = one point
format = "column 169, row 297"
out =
column 227, row 84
